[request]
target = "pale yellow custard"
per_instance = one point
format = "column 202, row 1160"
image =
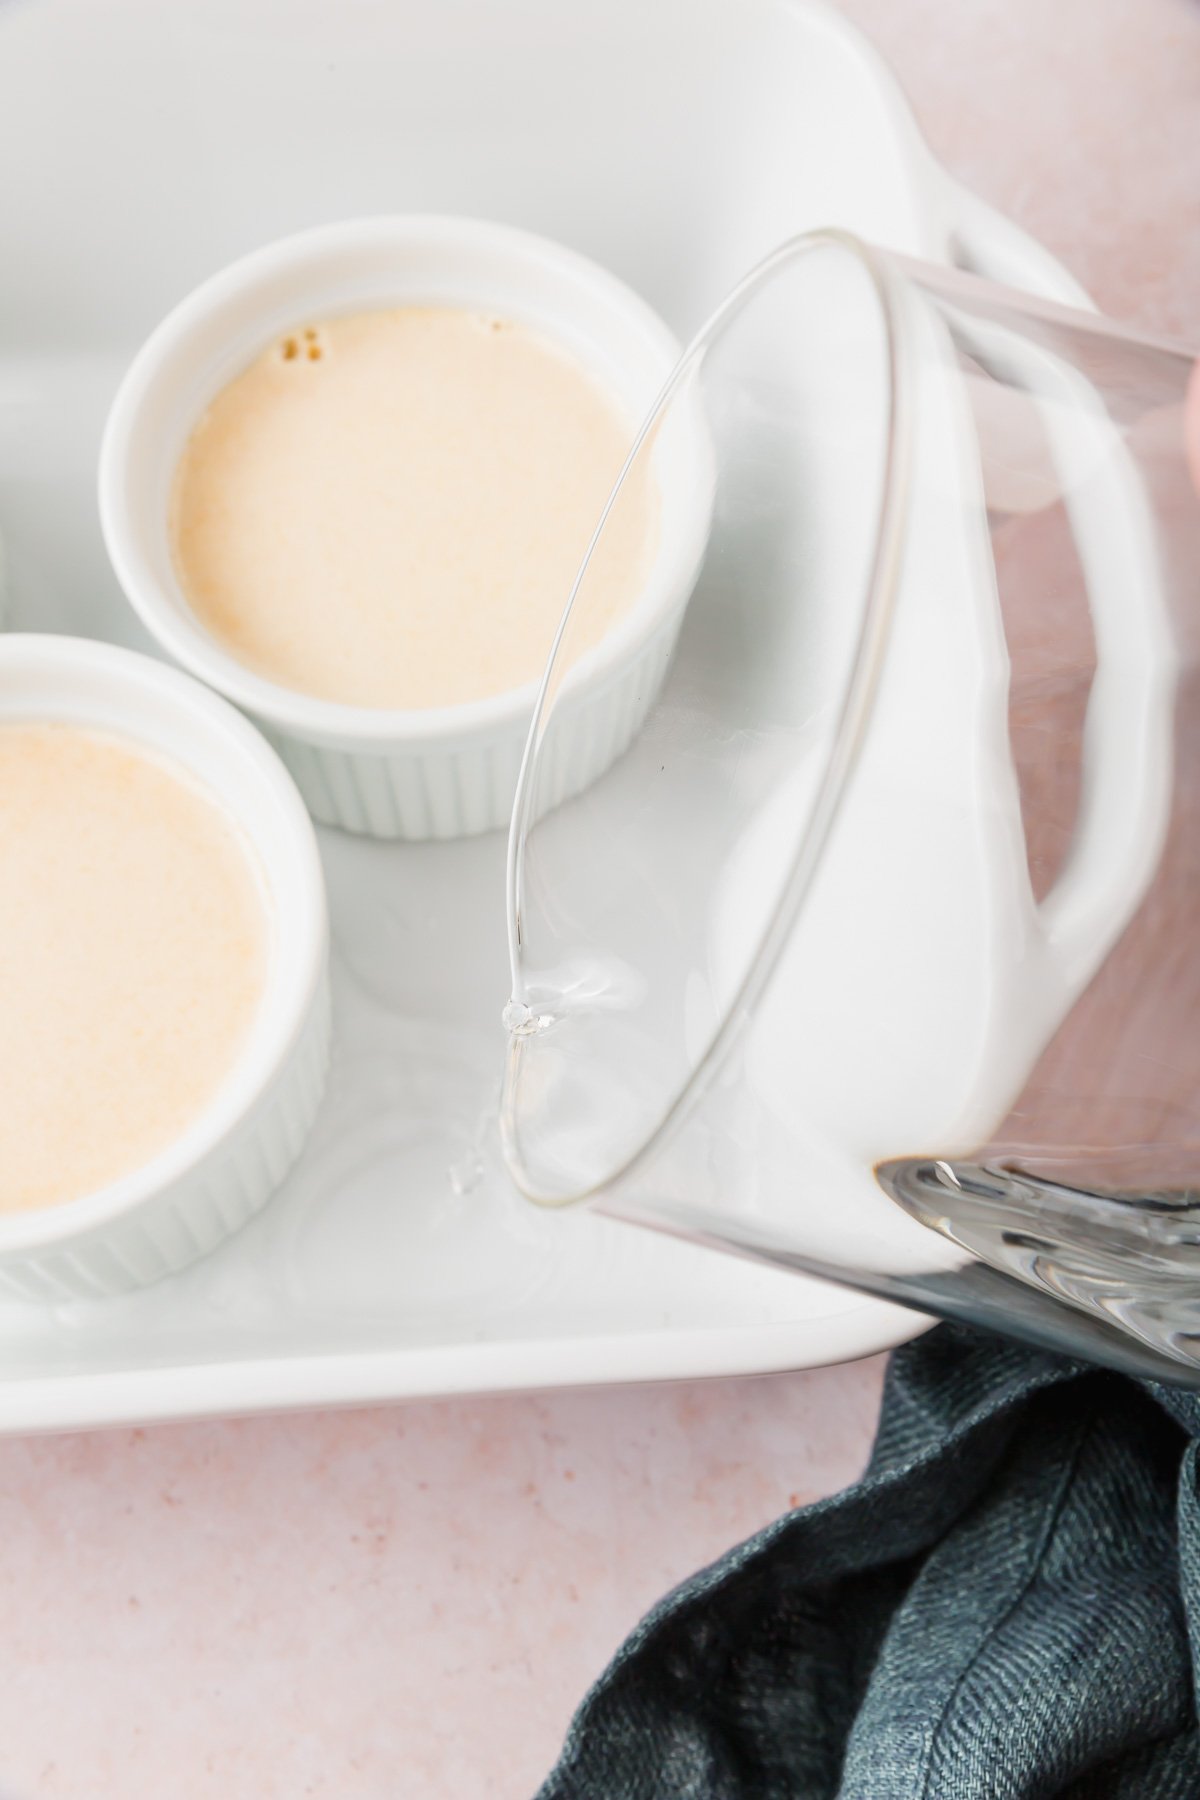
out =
column 389, row 509
column 133, row 952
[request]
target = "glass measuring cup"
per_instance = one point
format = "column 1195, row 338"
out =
column 876, row 954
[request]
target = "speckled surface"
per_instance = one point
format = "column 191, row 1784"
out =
column 401, row 1602
column 409, row 1601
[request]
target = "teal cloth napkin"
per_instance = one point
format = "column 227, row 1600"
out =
column 1007, row 1605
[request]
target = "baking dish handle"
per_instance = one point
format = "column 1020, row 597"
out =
column 983, row 242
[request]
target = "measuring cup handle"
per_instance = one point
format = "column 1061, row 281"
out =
column 1127, row 758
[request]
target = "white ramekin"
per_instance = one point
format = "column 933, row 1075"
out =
column 218, row 1173
column 443, row 772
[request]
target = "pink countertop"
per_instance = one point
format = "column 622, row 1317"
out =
column 410, row 1601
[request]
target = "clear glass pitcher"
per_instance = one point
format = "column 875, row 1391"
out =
column 877, row 953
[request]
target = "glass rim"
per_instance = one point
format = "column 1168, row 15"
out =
column 888, row 285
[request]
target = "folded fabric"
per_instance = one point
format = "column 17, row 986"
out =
column 1007, row 1605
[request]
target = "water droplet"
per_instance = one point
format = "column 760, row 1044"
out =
column 465, row 1174
column 516, row 1017
column 524, row 1021
column 468, row 1169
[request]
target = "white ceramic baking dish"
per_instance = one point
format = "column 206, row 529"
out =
column 675, row 143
